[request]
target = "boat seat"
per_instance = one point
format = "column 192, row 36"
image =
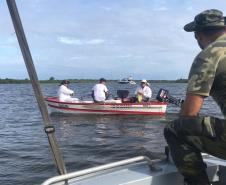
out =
column 122, row 93
column 113, row 101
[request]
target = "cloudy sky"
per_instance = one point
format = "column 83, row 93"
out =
column 83, row 39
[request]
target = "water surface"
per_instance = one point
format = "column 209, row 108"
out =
column 84, row 141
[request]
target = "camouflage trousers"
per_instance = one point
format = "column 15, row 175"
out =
column 187, row 137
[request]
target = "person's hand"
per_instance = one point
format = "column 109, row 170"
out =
column 139, row 93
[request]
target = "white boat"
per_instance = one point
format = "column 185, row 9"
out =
column 132, row 82
column 108, row 107
column 128, row 80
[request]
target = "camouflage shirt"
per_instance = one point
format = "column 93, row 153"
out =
column 208, row 73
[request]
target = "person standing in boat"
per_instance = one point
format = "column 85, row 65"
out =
column 64, row 93
column 100, row 91
column 143, row 92
column 191, row 134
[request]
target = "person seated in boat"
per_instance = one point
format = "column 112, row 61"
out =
column 143, row 92
column 64, row 93
column 100, row 91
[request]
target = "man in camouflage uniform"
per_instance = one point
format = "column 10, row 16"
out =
column 191, row 134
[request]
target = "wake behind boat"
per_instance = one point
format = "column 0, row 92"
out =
column 108, row 107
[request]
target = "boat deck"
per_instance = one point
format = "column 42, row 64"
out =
column 136, row 173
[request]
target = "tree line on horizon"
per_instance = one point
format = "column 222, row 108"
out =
column 53, row 80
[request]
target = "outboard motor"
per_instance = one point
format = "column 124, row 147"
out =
column 164, row 96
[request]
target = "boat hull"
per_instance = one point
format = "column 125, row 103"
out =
column 122, row 82
column 115, row 107
column 127, row 82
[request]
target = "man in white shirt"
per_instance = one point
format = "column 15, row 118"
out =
column 100, row 91
column 143, row 92
column 64, row 93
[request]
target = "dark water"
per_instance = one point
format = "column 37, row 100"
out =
column 85, row 141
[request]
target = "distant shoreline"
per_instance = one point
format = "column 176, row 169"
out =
column 25, row 81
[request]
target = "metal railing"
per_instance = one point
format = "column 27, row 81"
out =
column 69, row 176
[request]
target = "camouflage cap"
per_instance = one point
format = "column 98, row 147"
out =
column 206, row 20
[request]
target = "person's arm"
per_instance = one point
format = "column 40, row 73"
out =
column 136, row 91
column 139, row 91
column 106, row 92
column 67, row 91
column 148, row 92
column 192, row 105
column 200, row 81
column 92, row 94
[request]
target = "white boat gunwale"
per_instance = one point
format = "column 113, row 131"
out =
column 55, row 100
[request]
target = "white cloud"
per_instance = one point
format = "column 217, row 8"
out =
column 106, row 8
column 189, row 8
column 77, row 58
column 8, row 41
column 162, row 8
column 73, row 41
column 95, row 41
column 67, row 40
column 125, row 56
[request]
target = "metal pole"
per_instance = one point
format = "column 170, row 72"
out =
column 49, row 129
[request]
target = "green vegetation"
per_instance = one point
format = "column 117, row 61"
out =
column 181, row 80
column 53, row 80
column 170, row 81
column 13, row 81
